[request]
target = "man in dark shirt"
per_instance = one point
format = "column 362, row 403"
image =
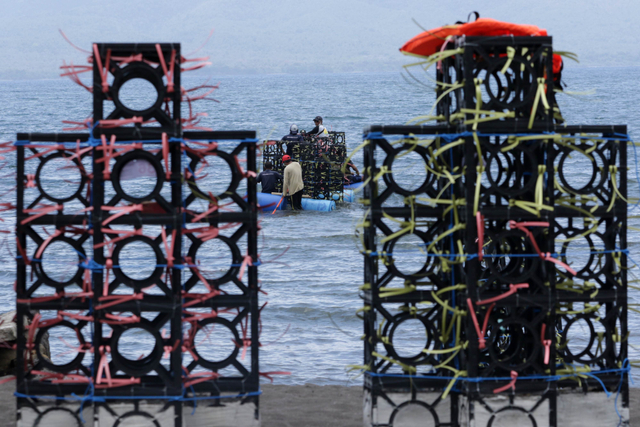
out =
column 292, row 139
column 268, row 178
column 318, row 122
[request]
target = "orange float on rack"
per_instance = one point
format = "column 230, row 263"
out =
column 431, row 41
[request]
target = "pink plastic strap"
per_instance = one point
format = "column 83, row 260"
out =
column 548, row 257
column 7, row 379
column 187, row 347
column 43, row 152
column 522, row 227
column 121, row 211
column 546, row 343
column 246, row 174
column 59, row 378
column 108, row 266
column 107, row 152
column 117, row 299
column 41, row 211
column 169, row 248
column 476, row 325
column 198, row 298
column 124, row 234
column 22, row 252
column 165, row 155
column 103, row 365
column 512, row 290
column 75, row 316
column 199, row 377
column 112, row 319
column 103, row 71
column 196, row 67
column 44, row 244
column 32, row 330
column 247, row 260
column 170, row 349
column 213, row 207
column 268, row 375
column 168, row 73
column 73, row 72
column 481, row 332
column 196, row 270
column 511, row 385
column 480, row 227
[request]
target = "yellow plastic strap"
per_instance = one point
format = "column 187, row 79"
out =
column 407, row 368
column 445, row 234
column 358, row 148
column 568, row 55
column 477, row 83
column 511, row 52
column 448, row 146
column 386, row 292
column 445, row 93
column 453, row 381
column 476, row 197
column 540, row 95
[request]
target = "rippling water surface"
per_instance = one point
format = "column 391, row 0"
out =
column 313, row 287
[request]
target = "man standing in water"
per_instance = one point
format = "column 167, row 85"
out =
column 268, row 178
column 293, row 183
column 293, row 139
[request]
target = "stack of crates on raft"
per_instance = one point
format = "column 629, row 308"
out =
column 321, row 160
column 145, row 285
column 495, row 251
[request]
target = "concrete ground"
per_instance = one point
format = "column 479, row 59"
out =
column 289, row 406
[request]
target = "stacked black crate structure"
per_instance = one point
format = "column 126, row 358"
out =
column 107, row 225
column 498, row 212
column 321, row 160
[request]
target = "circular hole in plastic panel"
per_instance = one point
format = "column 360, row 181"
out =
column 60, row 179
column 138, row 179
column 511, row 265
column 138, row 90
column 500, row 170
column 481, row 73
column 136, row 343
column 214, row 176
column 136, row 349
column 514, row 88
column 59, row 262
column 409, row 172
column 138, row 94
column 577, row 253
column 511, row 417
column 579, row 337
column 138, row 176
column 580, row 172
column 137, row 260
column 216, row 342
column 500, row 86
column 214, row 259
column 65, row 344
column 409, row 338
column 58, row 417
column 409, row 254
column 415, row 413
column 513, row 345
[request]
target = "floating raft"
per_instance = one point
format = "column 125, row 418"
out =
column 268, row 202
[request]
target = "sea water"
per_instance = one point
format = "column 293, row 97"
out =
column 311, row 262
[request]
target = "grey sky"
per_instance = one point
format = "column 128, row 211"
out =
column 290, row 36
